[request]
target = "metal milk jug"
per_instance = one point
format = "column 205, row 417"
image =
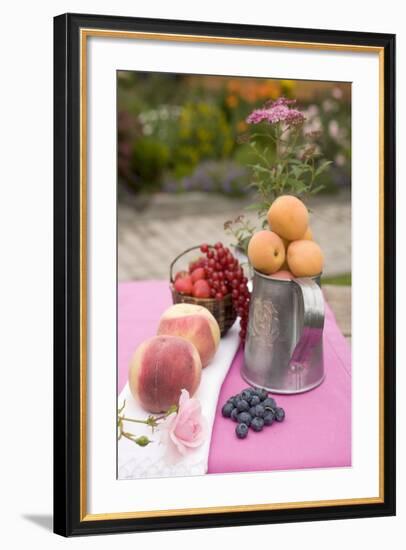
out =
column 284, row 344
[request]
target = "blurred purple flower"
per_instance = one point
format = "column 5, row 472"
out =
column 170, row 186
column 187, row 184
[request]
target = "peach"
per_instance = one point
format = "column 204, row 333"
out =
column 305, row 258
column 201, row 289
column 196, row 324
column 266, row 251
column 160, row 368
column 180, row 275
column 283, row 274
column 288, row 217
column 197, row 274
column 184, row 285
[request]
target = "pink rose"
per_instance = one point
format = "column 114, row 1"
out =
column 186, row 429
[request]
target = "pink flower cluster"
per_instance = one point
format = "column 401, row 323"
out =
column 277, row 111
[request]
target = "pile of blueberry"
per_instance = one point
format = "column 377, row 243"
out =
column 252, row 408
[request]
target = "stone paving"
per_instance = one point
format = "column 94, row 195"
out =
column 339, row 299
column 152, row 232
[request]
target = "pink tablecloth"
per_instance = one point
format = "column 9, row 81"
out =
column 317, row 430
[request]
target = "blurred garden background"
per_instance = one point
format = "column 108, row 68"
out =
column 184, row 169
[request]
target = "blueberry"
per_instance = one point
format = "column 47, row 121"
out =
column 246, row 394
column 242, row 405
column 233, row 399
column 262, row 394
column 269, row 402
column 227, row 409
column 234, row 414
column 269, row 418
column 241, row 430
column 279, row 414
column 245, row 418
column 255, row 400
column 259, row 411
column 257, row 424
column 252, row 411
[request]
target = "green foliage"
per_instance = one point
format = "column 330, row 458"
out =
column 340, row 280
column 199, row 118
column 287, row 163
column 203, row 133
column 150, row 158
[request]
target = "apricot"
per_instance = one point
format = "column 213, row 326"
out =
column 160, row 368
column 308, row 235
column 284, row 266
column 196, row 324
column 305, row 258
column 266, row 252
column 288, row 217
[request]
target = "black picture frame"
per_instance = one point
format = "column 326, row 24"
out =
column 67, row 349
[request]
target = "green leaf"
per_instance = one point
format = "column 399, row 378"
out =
column 297, row 171
column 323, row 166
column 259, row 168
column 142, row 441
column 317, row 189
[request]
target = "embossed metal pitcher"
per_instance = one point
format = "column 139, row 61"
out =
column 284, row 345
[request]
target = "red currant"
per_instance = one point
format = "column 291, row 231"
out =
column 204, row 248
column 219, row 296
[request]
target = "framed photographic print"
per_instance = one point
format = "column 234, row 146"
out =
column 224, row 278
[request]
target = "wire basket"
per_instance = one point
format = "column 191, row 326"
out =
column 222, row 310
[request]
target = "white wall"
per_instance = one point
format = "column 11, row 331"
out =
column 26, row 268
